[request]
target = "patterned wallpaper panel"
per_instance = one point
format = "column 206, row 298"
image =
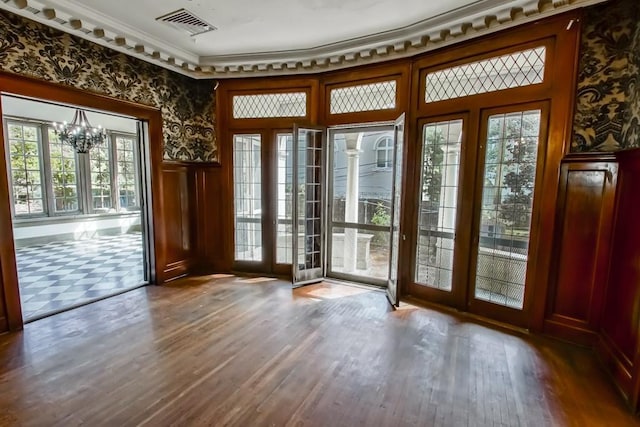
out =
column 187, row 105
column 608, row 98
column 631, row 127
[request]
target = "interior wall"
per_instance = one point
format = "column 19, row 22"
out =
column 187, row 105
column 631, row 127
column 607, row 113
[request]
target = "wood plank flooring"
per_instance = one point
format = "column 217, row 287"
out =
column 238, row 352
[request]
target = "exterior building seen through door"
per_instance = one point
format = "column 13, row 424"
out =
column 360, row 203
column 360, row 177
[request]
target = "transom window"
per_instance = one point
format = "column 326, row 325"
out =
column 509, row 71
column 384, row 153
column 270, row 105
column 368, row 97
column 45, row 174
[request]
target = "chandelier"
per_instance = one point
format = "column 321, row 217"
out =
column 79, row 133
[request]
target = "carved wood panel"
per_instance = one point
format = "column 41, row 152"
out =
column 584, row 218
column 177, row 179
column 620, row 328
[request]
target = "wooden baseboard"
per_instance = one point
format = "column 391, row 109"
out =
column 570, row 333
column 618, row 366
column 176, row 270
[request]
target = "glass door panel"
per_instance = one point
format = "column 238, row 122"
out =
column 361, row 185
column 308, row 243
column 359, row 250
column 510, row 165
column 437, row 208
column 247, row 178
column 392, row 286
column 284, row 210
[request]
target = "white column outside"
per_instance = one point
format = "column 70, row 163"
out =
column 353, row 142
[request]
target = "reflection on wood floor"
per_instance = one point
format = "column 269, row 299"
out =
column 227, row 351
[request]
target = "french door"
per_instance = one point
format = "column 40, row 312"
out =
column 308, row 205
column 263, row 201
column 280, row 209
column 364, row 200
column 394, row 238
column 475, row 222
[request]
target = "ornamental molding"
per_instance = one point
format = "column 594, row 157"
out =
column 477, row 19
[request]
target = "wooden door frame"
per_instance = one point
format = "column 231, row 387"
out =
column 466, row 176
column 262, row 266
column 12, row 84
column 278, row 269
column 518, row 317
column 561, row 37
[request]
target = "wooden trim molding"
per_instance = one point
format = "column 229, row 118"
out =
column 10, row 311
column 33, row 88
column 397, row 71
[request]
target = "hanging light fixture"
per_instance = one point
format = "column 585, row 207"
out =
column 79, row 133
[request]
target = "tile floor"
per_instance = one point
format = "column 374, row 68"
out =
column 59, row 275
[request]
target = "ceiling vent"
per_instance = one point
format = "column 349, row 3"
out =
column 186, row 21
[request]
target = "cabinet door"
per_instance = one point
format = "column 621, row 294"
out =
column 585, row 216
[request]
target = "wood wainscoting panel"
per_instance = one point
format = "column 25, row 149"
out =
column 584, row 217
column 620, row 344
column 208, row 199
column 177, row 180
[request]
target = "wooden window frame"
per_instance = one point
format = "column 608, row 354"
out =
column 397, row 71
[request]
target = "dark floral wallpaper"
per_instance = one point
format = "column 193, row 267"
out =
column 631, row 127
column 608, row 99
column 187, row 105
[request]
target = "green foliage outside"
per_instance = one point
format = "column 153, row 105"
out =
column 100, row 178
column 27, row 178
column 63, row 175
column 433, row 157
column 511, row 154
column 381, row 216
column 25, row 169
column 510, row 167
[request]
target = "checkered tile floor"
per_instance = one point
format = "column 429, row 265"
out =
column 60, row 275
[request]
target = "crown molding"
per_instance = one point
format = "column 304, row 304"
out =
column 479, row 18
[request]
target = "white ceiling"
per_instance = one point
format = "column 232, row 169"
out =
column 256, row 26
column 283, row 36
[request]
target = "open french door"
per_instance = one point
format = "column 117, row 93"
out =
column 396, row 198
column 308, row 205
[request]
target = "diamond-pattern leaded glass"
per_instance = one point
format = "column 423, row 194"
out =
column 516, row 69
column 369, row 97
column 270, row 105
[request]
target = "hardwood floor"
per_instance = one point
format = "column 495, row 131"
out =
column 245, row 352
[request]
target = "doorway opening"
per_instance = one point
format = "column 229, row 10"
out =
column 80, row 229
column 360, row 203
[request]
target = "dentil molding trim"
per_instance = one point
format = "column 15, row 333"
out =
column 465, row 23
